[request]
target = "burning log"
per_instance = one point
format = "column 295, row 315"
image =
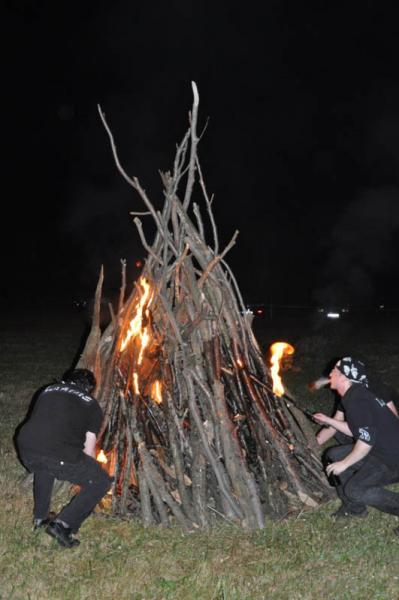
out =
column 192, row 428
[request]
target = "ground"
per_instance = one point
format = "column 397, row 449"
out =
column 307, row 556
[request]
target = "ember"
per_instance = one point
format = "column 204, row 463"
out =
column 156, row 394
column 101, row 457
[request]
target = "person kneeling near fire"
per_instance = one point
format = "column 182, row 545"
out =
column 371, row 460
column 58, row 441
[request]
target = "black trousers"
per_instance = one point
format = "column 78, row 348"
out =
column 87, row 473
column 363, row 484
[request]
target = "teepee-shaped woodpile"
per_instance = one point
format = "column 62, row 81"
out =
column 192, row 430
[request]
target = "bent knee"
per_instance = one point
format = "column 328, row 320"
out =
column 354, row 491
column 101, row 481
column 336, row 453
column 330, row 454
column 108, row 483
column 104, row 481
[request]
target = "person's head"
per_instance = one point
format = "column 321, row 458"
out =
column 347, row 371
column 83, row 378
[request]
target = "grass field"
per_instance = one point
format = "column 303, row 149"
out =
column 307, row 556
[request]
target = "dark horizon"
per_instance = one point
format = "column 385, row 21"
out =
column 301, row 148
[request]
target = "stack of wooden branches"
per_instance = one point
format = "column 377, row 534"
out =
column 192, row 431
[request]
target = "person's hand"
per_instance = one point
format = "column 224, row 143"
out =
column 321, row 418
column 336, row 467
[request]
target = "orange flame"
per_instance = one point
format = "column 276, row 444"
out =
column 101, row 457
column 145, row 338
column 278, row 351
column 136, row 384
column 136, row 324
column 156, row 394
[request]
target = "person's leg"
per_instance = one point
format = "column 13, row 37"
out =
column 367, row 486
column 43, row 481
column 349, row 506
column 336, row 453
column 42, row 489
column 94, row 483
column 342, row 438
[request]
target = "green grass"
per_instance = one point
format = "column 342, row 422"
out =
column 305, row 557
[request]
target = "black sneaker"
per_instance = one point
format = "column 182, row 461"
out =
column 62, row 534
column 39, row 523
column 344, row 513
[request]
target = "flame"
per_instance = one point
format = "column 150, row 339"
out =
column 145, row 338
column 105, row 502
column 139, row 333
column 101, row 457
column 136, row 384
column 156, row 394
column 278, row 351
column 136, row 324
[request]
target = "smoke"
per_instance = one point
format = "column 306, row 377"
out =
column 361, row 249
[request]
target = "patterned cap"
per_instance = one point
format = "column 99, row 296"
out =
column 353, row 369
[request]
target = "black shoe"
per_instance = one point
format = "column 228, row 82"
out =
column 39, row 523
column 62, row 534
column 344, row 513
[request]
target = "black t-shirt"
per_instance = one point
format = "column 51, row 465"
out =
column 371, row 421
column 380, row 389
column 61, row 417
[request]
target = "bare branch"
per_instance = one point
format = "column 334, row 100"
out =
column 123, row 286
column 209, row 208
column 193, row 149
column 199, row 220
column 216, row 260
column 133, row 182
column 139, row 226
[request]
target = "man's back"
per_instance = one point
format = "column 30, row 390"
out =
column 371, row 421
column 59, row 421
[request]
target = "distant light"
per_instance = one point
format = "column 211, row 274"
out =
column 381, row 306
column 259, row 311
column 139, row 263
column 333, row 315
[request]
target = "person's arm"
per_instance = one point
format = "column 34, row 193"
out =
column 326, row 433
column 393, row 408
column 335, row 423
column 359, row 451
column 90, row 444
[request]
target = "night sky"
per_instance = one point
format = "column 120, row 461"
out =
column 301, row 149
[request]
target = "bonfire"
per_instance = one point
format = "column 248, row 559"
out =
column 194, row 429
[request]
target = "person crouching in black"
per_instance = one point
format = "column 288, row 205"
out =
column 58, row 441
column 369, row 461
